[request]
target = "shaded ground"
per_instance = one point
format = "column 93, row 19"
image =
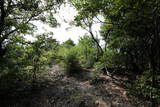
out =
column 83, row 90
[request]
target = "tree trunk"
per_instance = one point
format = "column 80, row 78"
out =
column 154, row 52
column 2, row 21
column 95, row 40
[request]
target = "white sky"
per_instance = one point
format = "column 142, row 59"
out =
column 66, row 14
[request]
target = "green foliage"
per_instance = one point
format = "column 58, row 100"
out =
column 63, row 49
column 68, row 44
column 131, row 38
column 71, row 64
column 87, row 50
column 113, row 59
column 143, row 87
column 68, row 57
column 17, row 17
column 15, row 55
column 130, row 30
column 98, row 66
column 42, row 52
column 110, row 59
column 24, row 56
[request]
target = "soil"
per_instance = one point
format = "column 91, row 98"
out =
column 83, row 90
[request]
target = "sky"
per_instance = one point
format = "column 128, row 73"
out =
column 65, row 31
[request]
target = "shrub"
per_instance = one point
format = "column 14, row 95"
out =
column 111, row 60
column 71, row 64
column 98, row 66
column 89, row 62
column 143, row 87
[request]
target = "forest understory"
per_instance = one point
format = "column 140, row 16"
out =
column 83, row 90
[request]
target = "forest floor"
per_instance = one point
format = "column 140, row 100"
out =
column 83, row 90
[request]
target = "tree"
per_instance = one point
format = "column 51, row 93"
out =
column 68, row 43
column 14, row 60
column 86, row 18
column 16, row 17
column 87, row 51
column 42, row 52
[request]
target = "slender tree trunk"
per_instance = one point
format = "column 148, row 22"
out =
column 2, row 17
column 97, row 53
column 2, row 22
column 105, row 47
column 95, row 40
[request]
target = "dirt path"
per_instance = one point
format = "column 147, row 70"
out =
column 57, row 90
column 103, row 90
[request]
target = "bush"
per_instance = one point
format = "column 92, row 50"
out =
column 143, row 87
column 89, row 62
column 71, row 64
column 98, row 66
column 111, row 60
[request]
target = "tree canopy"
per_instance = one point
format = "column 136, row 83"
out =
column 16, row 17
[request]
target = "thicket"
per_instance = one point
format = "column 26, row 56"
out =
column 71, row 64
column 17, row 55
column 30, row 58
